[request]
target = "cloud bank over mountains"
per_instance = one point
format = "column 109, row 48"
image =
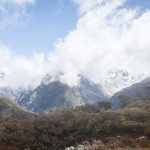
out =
column 107, row 35
column 20, row 71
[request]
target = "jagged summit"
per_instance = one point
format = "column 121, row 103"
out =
column 51, row 78
column 52, row 93
column 117, row 79
column 55, row 94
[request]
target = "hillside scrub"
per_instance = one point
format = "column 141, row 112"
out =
column 69, row 127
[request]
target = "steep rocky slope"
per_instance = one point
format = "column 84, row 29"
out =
column 54, row 95
column 135, row 91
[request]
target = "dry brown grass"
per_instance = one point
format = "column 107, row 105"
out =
column 7, row 147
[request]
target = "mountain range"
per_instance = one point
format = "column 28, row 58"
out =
column 118, row 79
column 52, row 94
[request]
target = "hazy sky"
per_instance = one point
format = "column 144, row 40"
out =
column 85, row 37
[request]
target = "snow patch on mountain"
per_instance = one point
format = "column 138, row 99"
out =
column 117, row 79
column 14, row 94
column 113, row 81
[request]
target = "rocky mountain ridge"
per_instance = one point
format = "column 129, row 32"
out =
column 118, row 79
column 136, row 91
column 52, row 94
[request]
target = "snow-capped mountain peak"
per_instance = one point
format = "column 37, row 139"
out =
column 117, row 79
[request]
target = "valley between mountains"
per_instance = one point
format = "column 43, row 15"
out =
column 74, row 74
column 56, row 116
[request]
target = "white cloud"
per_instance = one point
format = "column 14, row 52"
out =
column 13, row 12
column 107, row 36
column 21, row 71
column 22, row 2
column 88, row 5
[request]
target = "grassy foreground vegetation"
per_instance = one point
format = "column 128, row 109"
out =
column 102, row 126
